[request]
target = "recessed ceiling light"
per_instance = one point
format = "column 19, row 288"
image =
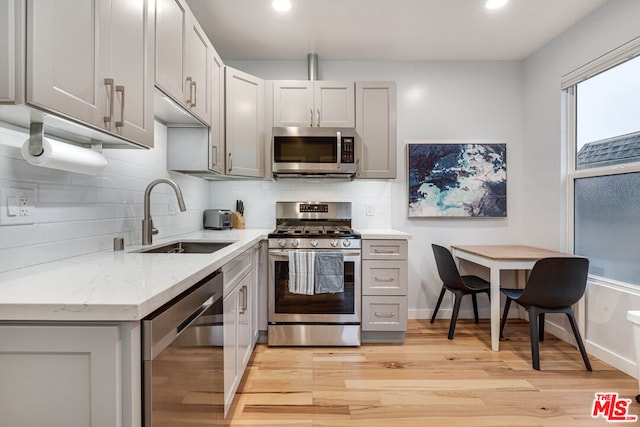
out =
column 281, row 5
column 495, row 4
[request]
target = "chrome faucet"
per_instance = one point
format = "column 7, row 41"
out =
column 147, row 223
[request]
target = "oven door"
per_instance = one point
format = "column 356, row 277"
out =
column 286, row 307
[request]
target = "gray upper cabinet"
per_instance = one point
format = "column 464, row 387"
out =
column 216, row 141
column 182, row 58
column 313, row 103
column 244, row 116
column 7, row 51
column 376, row 125
column 90, row 61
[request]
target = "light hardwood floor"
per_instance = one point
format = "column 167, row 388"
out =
column 428, row 381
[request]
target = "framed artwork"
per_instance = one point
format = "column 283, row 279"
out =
column 457, row 180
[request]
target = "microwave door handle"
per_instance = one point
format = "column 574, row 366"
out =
column 339, row 149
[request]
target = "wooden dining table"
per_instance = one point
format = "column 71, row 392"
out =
column 502, row 257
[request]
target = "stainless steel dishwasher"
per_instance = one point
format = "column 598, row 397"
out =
column 183, row 358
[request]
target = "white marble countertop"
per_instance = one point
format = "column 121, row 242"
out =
column 114, row 286
column 382, row 234
column 124, row 285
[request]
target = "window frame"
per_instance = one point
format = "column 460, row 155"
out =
column 569, row 84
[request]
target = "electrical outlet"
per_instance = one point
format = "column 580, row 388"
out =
column 371, row 210
column 24, row 204
column 17, row 206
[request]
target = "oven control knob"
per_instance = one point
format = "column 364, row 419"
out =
column 314, row 243
column 295, row 243
column 346, row 243
column 282, row 243
column 334, row 243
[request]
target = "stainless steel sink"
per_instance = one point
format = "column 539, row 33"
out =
column 187, row 247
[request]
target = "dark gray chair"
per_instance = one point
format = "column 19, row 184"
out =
column 555, row 284
column 456, row 284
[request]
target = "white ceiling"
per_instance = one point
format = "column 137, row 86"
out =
column 411, row 30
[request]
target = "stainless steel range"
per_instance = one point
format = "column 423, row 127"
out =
column 314, row 276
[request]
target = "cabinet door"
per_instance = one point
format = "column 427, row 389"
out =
column 376, row 126
column 334, row 104
column 171, row 26
column 198, row 86
column 293, row 103
column 245, row 333
column 244, row 123
column 63, row 59
column 216, row 138
column 132, row 70
column 7, row 50
column 231, row 366
column 61, row 376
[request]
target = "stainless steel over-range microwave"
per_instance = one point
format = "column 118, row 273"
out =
column 314, row 151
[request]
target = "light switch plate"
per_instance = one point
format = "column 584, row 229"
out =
column 17, row 206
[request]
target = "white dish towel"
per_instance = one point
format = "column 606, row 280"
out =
column 301, row 272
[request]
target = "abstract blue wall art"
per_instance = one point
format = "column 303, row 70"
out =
column 457, row 180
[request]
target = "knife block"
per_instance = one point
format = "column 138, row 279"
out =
column 237, row 220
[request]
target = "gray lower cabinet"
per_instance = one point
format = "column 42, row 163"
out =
column 65, row 375
column 240, row 332
column 384, row 290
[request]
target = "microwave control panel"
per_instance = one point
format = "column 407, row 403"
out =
column 348, row 154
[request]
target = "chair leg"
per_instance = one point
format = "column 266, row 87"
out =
column 435, row 311
column 541, row 328
column 576, row 333
column 475, row 307
column 454, row 316
column 535, row 335
column 507, row 303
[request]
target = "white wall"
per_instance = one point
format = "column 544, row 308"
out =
column 77, row 214
column 437, row 101
column 608, row 333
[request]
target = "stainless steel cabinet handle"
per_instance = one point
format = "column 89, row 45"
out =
column 318, row 118
column 121, row 122
column 386, row 315
column 310, row 117
column 109, row 83
column 189, row 80
column 214, row 155
column 230, row 163
column 384, row 251
column 243, row 291
column 195, row 94
column 383, row 279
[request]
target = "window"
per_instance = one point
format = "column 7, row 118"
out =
column 603, row 113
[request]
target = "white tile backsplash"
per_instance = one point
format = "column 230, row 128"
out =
column 77, row 214
column 260, row 197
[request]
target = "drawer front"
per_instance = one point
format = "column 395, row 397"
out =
column 384, row 277
column 384, row 249
column 384, row 313
column 234, row 271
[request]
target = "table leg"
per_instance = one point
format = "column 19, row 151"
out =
column 495, row 308
column 522, row 281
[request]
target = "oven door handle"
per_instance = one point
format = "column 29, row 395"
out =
column 286, row 253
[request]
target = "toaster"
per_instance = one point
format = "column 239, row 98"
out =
column 217, row 219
